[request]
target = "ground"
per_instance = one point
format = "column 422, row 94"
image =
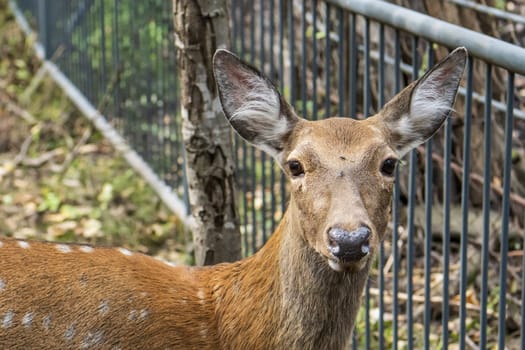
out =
column 59, row 179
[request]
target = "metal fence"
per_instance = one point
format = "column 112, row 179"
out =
column 452, row 271
column 116, row 60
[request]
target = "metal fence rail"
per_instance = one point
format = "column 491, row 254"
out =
column 435, row 283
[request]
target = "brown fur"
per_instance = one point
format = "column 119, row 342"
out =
column 286, row 296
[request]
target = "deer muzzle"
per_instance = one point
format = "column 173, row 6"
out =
column 349, row 246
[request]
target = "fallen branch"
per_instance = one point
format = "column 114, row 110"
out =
column 43, row 158
column 59, row 168
column 19, row 111
column 23, row 150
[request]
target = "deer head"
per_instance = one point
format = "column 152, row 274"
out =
column 341, row 170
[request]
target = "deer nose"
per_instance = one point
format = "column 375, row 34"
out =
column 349, row 246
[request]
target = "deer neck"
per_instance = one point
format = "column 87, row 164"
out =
column 292, row 296
column 318, row 304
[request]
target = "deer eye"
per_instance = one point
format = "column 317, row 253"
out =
column 389, row 166
column 296, row 169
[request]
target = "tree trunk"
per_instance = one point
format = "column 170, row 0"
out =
column 202, row 26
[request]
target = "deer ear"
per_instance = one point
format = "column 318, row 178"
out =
column 252, row 104
column 417, row 112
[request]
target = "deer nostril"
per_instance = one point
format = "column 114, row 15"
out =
column 332, row 243
column 349, row 246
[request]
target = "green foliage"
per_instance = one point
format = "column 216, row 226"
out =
column 500, row 4
column 95, row 197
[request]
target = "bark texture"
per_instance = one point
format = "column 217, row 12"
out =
column 201, row 27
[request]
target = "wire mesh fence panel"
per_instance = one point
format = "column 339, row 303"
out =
column 121, row 55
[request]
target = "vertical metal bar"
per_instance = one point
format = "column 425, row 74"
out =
column 410, row 219
column 104, row 83
column 465, row 207
column 244, row 145
column 252, row 33
column 522, row 332
column 505, row 212
column 235, row 24
column 43, row 33
column 366, row 112
column 380, row 102
column 91, row 90
column 262, row 33
column 446, row 229
column 272, row 75
column 116, row 63
column 66, row 68
column 353, row 67
column 314, row 60
column 281, row 81
column 253, row 150
column 428, row 225
column 241, row 26
column 303, row 60
column 395, row 209
column 158, row 135
column 327, row 55
column 281, row 44
column 487, row 145
column 366, row 82
column 263, row 162
column 237, row 142
column 291, row 50
column 165, row 71
column 340, row 46
column 253, row 190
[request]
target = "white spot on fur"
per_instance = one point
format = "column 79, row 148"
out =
column 92, row 339
column 63, row 248
column 2, row 285
column 169, row 263
column 27, row 320
column 103, row 307
column 125, row 251
column 7, row 321
column 1, row 244
column 204, row 330
column 143, row 314
column 201, row 296
column 86, row 249
column 46, row 322
column 132, row 315
column 70, row 332
column 23, row 244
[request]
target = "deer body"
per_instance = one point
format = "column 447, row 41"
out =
column 302, row 290
column 134, row 301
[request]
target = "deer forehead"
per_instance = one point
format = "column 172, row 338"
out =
column 328, row 142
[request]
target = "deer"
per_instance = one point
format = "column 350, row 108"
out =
column 301, row 290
